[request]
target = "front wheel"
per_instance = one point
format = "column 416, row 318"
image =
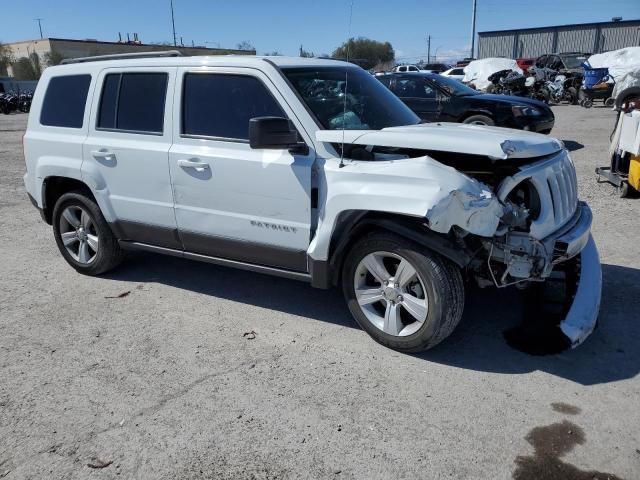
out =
column 479, row 120
column 83, row 235
column 403, row 295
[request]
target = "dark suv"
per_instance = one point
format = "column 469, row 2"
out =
column 561, row 62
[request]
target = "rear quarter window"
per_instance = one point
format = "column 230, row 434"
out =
column 64, row 101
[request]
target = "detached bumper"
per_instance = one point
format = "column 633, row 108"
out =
column 583, row 314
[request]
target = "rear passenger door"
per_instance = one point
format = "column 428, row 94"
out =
column 233, row 201
column 127, row 151
column 419, row 95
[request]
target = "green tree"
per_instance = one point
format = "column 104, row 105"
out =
column 275, row 53
column 245, row 45
column 27, row 68
column 53, row 57
column 306, row 54
column 365, row 52
column 6, row 58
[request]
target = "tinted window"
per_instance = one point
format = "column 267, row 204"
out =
column 217, row 105
column 414, row 87
column 64, row 102
column 107, row 112
column 457, row 71
column 133, row 102
column 367, row 104
column 554, row 63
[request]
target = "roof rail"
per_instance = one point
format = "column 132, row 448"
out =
column 117, row 56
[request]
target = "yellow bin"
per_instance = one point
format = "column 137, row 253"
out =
column 634, row 172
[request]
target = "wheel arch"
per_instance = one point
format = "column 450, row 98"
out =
column 53, row 187
column 476, row 111
column 353, row 225
column 625, row 94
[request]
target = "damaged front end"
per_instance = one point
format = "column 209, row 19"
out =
column 544, row 235
column 501, row 204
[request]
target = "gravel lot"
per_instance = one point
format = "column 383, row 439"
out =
column 163, row 383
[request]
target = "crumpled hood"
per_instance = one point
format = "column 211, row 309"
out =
column 493, row 142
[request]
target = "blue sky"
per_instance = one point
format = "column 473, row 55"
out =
column 282, row 25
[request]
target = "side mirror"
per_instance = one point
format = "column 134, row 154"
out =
column 273, row 133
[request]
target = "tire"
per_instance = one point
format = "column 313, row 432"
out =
column 479, row 120
column 91, row 248
column 573, row 95
column 432, row 282
column 587, row 103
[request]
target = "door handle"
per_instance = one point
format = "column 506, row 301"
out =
column 199, row 166
column 102, row 153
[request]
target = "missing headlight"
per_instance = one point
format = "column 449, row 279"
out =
column 525, row 197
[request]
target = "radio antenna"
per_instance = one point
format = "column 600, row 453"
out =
column 346, row 86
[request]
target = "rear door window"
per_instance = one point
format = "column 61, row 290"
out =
column 133, row 102
column 65, row 100
column 414, row 88
column 221, row 105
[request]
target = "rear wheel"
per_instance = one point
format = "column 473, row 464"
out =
column 479, row 120
column 83, row 235
column 406, row 297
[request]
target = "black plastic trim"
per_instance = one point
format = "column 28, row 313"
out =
column 145, row 233
column 244, row 251
column 320, row 272
column 40, row 210
column 216, row 261
column 359, row 223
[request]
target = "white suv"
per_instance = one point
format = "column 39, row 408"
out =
column 308, row 169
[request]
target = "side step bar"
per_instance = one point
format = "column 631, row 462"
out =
column 304, row 277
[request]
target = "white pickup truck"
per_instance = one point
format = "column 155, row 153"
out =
column 308, row 169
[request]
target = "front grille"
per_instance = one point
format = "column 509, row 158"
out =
column 563, row 188
column 557, row 185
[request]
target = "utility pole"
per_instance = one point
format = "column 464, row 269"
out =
column 39, row 26
column 429, row 49
column 173, row 24
column 473, row 29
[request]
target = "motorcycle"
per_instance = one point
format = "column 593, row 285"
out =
column 557, row 91
column 12, row 102
column 24, row 101
column 514, row 83
column 495, row 79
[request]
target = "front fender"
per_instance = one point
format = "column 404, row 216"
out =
column 421, row 188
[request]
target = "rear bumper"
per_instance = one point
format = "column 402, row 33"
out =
column 583, row 313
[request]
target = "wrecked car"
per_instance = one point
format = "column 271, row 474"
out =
column 307, row 169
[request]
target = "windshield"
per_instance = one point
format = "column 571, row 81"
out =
column 368, row 105
column 453, row 87
column 573, row 61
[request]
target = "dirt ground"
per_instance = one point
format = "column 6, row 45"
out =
column 163, row 383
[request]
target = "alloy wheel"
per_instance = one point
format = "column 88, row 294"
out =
column 78, row 234
column 391, row 293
